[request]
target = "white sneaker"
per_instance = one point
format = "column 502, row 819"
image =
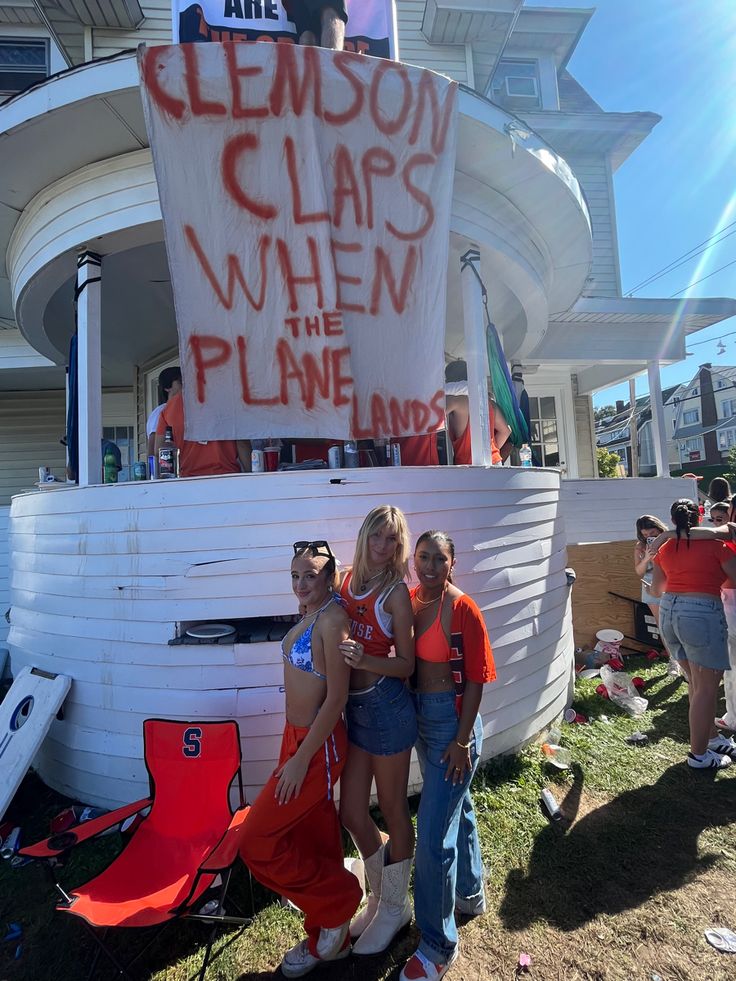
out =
column 298, row 961
column 330, row 941
column 708, row 761
column 420, row 968
column 723, row 746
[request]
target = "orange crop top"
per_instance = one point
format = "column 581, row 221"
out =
column 468, row 651
column 370, row 623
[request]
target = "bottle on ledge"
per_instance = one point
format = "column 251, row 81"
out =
column 168, row 456
column 525, row 455
column 109, row 468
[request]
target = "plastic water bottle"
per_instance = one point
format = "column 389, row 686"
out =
column 708, row 506
column 525, row 455
column 557, row 755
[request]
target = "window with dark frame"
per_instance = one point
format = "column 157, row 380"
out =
column 23, row 62
column 515, row 85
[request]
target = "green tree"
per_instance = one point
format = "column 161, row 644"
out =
column 730, row 473
column 604, row 411
column 608, row 463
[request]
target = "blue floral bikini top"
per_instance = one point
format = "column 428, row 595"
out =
column 300, row 655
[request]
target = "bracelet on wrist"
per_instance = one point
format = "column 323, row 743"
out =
column 462, row 745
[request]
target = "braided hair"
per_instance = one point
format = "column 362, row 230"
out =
column 685, row 515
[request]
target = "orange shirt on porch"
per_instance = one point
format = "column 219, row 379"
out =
column 217, row 456
column 461, row 450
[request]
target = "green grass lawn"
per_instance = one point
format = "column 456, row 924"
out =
column 621, row 890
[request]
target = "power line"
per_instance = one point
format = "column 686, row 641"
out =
column 683, row 262
column 703, row 279
column 684, row 257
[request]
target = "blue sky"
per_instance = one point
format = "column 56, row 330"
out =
column 676, row 58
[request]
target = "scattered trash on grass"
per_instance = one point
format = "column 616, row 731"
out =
column 525, row 962
column 11, row 844
column 587, row 673
column 637, row 739
column 602, row 691
column 639, row 683
column 573, row 717
column 622, row 692
column 723, row 939
column 551, row 806
column 557, row 755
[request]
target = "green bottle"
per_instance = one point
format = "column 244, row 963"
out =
column 110, row 468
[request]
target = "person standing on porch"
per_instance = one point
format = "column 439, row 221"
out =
column 453, row 662
column 292, row 841
column 201, row 459
column 458, row 418
column 381, row 722
column 169, row 383
column 319, row 22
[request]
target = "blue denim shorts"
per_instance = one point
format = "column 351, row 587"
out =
column 694, row 629
column 381, row 719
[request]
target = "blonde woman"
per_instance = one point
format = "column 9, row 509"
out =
column 381, row 722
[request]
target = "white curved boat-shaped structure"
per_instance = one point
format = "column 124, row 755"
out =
column 104, row 577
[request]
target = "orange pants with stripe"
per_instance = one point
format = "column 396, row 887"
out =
column 295, row 849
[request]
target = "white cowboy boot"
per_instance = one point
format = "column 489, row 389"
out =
column 373, row 871
column 393, row 912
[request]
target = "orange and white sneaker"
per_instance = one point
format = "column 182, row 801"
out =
column 420, row 968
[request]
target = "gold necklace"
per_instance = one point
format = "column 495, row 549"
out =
column 428, row 602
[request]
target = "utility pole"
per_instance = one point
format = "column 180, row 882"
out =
column 633, row 429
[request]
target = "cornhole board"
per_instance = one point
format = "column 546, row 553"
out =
column 26, row 714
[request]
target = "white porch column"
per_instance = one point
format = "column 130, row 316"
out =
column 89, row 367
column 476, row 357
column 659, row 432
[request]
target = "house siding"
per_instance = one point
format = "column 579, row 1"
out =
column 155, row 29
column 584, row 432
column 31, row 424
column 592, row 172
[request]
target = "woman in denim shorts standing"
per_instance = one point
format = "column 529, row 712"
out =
column 381, row 722
column 688, row 577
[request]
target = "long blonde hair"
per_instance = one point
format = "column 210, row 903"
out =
column 398, row 568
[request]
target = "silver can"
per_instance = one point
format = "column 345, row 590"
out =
column 43, row 475
column 395, row 455
column 352, row 456
column 334, row 457
column 257, row 461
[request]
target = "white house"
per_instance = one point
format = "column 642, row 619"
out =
column 104, row 578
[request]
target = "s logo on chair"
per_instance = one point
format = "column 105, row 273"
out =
column 192, row 742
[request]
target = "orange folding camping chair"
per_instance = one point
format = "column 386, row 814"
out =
column 176, row 852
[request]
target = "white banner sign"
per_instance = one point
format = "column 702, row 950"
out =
column 306, row 202
column 371, row 26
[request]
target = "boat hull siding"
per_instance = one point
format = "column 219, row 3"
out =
column 103, row 577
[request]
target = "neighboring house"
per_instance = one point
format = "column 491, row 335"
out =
column 614, row 433
column 704, row 428
column 66, row 136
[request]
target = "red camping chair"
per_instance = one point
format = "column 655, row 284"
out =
column 177, row 850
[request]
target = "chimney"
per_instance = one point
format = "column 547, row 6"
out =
column 620, row 405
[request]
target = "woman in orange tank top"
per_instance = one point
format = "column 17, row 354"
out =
column 381, row 722
column 453, row 662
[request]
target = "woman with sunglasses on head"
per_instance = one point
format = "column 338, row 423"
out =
column 688, row 576
column 381, row 722
column 453, row 662
column 292, row 842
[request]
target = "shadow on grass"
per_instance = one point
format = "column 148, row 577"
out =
column 619, row 855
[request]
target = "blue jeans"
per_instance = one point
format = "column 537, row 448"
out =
column 448, row 860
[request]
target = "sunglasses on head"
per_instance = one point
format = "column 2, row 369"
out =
column 314, row 548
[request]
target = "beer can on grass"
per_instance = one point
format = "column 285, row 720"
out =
column 257, row 463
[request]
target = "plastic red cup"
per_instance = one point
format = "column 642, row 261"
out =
column 638, row 683
column 602, row 691
column 271, row 458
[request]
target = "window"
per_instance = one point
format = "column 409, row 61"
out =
column 544, row 441
column 729, row 408
column 695, row 392
column 690, row 417
column 726, row 439
column 23, row 62
column 721, row 383
column 515, row 85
